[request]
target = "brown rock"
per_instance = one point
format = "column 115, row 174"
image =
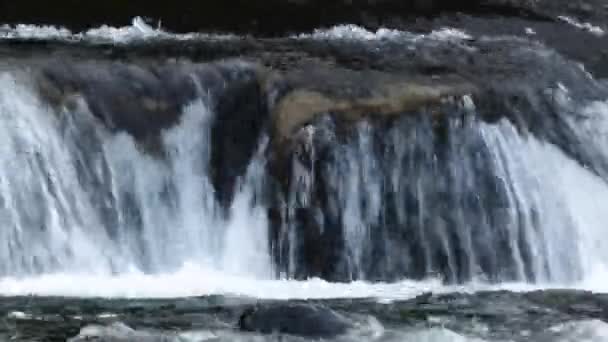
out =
column 302, row 106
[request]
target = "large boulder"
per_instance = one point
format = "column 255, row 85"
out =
column 306, row 320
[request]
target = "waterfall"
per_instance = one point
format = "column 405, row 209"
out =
column 455, row 196
column 76, row 197
column 461, row 198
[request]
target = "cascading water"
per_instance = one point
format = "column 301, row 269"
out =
column 77, row 198
column 463, row 199
column 441, row 184
column 406, row 172
column 415, row 197
column 453, row 195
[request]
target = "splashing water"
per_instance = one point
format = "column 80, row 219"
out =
column 76, row 197
column 81, row 204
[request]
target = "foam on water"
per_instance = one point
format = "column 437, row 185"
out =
column 194, row 280
column 138, row 30
column 596, row 30
column 355, row 32
column 352, row 32
column 120, row 332
column 34, row 32
column 577, row 331
column 587, row 330
column 440, row 334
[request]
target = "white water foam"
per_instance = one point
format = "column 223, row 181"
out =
column 355, row 32
column 579, row 331
column 138, row 30
column 351, row 32
column 596, row 30
column 193, row 280
column 25, row 31
column 439, row 335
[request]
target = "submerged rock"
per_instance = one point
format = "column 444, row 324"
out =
column 306, row 320
column 119, row 332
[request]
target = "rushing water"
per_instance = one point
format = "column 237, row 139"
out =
column 78, row 199
column 474, row 205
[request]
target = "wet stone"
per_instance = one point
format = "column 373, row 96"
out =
column 294, row 319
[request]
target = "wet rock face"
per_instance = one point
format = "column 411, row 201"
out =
column 145, row 99
column 124, row 97
column 242, row 117
column 142, row 99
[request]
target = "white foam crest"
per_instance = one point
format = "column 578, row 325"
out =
column 352, row 32
column 196, row 280
column 449, row 34
column 18, row 315
column 596, row 30
column 355, row 32
column 586, row 330
column 439, row 335
column 24, row 31
column 138, row 30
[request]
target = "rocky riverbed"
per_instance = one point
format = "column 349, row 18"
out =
column 551, row 315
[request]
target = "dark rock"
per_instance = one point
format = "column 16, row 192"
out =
column 306, row 320
column 124, row 97
column 242, row 115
